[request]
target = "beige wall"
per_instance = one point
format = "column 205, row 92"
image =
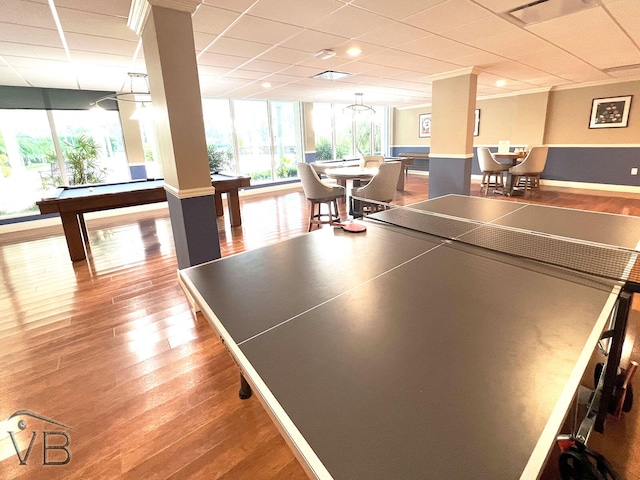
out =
column 519, row 119
column 405, row 127
column 558, row 117
column 569, row 113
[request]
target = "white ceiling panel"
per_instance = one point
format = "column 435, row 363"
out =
column 261, row 30
column 10, row 77
column 23, row 12
column 202, row 40
column 29, row 35
column 393, row 35
column 580, row 38
column 212, row 20
column 240, row 48
column 91, row 43
column 31, row 51
column 297, row 12
column 447, row 15
column 219, row 60
column 627, row 14
column 119, row 8
column 284, row 55
column 313, row 40
column 403, row 42
column 397, row 10
column 77, row 21
column 233, row 5
column 352, row 22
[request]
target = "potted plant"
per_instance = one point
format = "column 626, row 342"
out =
column 219, row 158
column 82, row 157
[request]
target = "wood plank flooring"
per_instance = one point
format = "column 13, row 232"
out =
column 109, row 347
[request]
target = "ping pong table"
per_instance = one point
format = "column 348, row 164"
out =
column 395, row 353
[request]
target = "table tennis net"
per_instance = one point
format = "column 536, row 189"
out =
column 601, row 260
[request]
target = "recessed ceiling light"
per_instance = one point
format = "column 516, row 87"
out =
column 266, row 84
column 501, row 83
column 331, row 75
column 354, row 51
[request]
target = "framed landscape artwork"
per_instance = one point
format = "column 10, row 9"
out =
column 610, row 112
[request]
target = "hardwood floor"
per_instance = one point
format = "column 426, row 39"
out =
column 109, row 347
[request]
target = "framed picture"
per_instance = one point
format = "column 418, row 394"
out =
column 476, row 130
column 610, row 112
column 425, row 125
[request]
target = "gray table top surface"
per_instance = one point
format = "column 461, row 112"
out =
column 395, row 354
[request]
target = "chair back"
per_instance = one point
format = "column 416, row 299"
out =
column 371, row 161
column 486, row 161
column 311, row 184
column 533, row 163
column 382, row 187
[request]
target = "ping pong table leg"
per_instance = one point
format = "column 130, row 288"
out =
column 245, row 388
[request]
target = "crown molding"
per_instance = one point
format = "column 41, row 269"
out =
column 139, row 11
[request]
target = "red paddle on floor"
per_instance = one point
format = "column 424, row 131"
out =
column 352, row 227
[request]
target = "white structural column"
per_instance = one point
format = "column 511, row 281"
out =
column 452, row 125
column 169, row 51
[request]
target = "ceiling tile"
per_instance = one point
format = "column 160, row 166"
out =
column 119, row 8
column 212, row 20
column 237, row 48
column 447, row 15
column 22, row 12
column 396, row 10
column 261, row 30
column 352, row 22
column 76, row 21
column 313, row 40
column 571, row 36
column 233, row 5
column 296, row 12
column 393, row 35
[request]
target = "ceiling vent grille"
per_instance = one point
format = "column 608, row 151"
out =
column 545, row 10
column 332, row 75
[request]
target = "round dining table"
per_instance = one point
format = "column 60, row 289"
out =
column 354, row 175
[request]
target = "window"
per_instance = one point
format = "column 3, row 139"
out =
column 266, row 143
column 27, row 158
column 286, row 135
column 84, row 132
column 219, row 133
column 341, row 134
column 32, row 159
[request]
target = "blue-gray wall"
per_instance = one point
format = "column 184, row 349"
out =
column 603, row 164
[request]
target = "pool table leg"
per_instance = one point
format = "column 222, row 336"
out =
column 217, row 199
column 234, row 208
column 71, row 227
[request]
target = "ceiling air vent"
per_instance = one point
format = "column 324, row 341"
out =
column 331, row 75
column 544, row 10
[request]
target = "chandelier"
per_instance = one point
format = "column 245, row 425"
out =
column 359, row 107
column 132, row 95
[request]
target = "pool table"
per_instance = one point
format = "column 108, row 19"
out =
column 73, row 202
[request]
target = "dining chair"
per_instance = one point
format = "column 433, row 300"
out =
column 528, row 171
column 371, row 161
column 490, row 168
column 318, row 193
column 381, row 188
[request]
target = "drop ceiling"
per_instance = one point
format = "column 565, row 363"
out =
column 405, row 44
